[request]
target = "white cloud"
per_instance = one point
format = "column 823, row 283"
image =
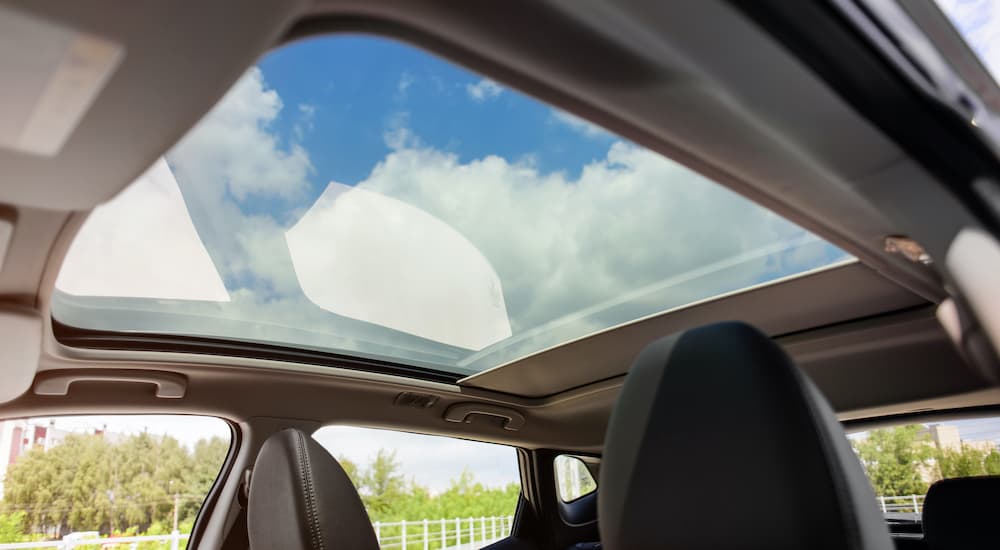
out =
column 397, row 134
column 307, row 112
column 431, row 461
column 231, row 157
column 580, row 125
column 403, row 86
column 483, row 90
column 630, row 221
column 304, row 123
column 234, row 147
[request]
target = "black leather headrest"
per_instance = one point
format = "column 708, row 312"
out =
column 962, row 513
column 300, row 498
column 718, row 442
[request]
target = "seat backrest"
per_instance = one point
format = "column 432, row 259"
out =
column 718, row 442
column 300, row 498
column 963, row 513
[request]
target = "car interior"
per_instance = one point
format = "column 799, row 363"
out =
column 842, row 159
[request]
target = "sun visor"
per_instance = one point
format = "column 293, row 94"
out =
column 973, row 321
column 51, row 74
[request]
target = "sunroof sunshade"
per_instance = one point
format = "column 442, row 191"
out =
column 357, row 196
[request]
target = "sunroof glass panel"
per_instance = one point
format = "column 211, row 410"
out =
column 355, row 195
column 978, row 21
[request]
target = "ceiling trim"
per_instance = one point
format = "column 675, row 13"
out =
column 811, row 300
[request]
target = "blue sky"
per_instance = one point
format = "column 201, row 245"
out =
column 355, row 87
column 341, row 94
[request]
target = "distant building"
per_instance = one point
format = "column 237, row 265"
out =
column 17, row 437
column 948, row 437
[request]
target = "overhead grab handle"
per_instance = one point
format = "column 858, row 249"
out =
column 168, row 385
column 463, row 412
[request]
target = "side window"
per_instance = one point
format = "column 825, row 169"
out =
column 424, row 491
column 573, row 478
column 903, row 461
column 69, row 479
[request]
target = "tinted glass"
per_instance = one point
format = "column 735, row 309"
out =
column 359, row 196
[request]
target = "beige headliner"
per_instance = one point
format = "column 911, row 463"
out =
column 647, row 72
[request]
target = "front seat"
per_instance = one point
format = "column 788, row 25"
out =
column 961, row 513
column 300, row 498
column 718, row 442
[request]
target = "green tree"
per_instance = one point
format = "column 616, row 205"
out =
column 351, row 469
column 896, row 459
column 91, row 482
column 382, row 484
column 127, row 485
column 388, row 497
column 60, row 488
column 992, row 463
column 12, row 527
column 963, row 462
column 207, row 460
column 967, row 461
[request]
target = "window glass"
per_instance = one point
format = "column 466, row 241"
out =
column 356, row 195
column 424, row 491
column 573, row 479
column 75, row 478
column 978, row 21
column 903, row 461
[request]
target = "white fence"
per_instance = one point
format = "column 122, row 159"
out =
column 172, row 541
column 913, row 504
column 452, row 533
column 449, row 534
column 427, row 534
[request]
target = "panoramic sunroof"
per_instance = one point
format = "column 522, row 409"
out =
column 978, row 21
column 358, row 196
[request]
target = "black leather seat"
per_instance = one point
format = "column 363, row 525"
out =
column 718, row 442
column 300, row 498
column 962, row 513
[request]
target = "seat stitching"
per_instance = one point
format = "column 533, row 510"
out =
column 309, row 492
